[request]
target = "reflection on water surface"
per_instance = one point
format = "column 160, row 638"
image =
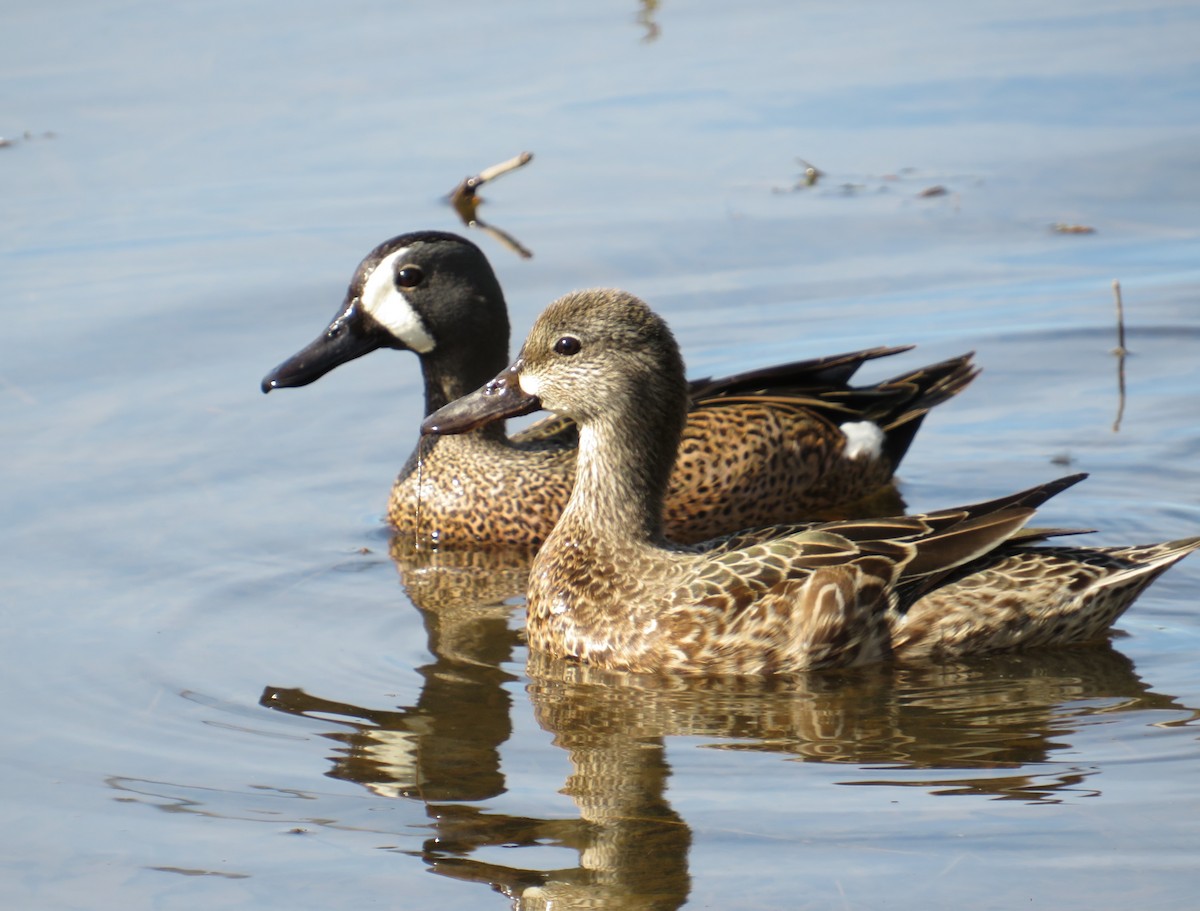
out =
column 993, row 727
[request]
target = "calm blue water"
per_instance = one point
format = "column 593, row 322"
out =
column 219, row 692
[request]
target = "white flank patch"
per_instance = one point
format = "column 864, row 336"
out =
column 529, row 384
column 864, row 439
column 387, row 304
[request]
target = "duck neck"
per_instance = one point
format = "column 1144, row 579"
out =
column 621, row 476
column 449, row 377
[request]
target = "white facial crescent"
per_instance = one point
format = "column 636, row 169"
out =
column 388, row 305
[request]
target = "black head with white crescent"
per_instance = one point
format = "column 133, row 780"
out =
column 430, row 292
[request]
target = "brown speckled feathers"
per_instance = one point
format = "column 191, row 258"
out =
column 609, row 588
column 760, row 447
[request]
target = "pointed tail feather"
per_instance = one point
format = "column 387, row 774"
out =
column 809, row 376
column 931, row 386
column 1030, row 498
column 1151, row 560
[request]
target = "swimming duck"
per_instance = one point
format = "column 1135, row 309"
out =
column 767, row 446
column 609, row 589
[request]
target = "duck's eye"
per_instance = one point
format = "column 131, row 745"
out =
column 567, row 345
column 409, row 276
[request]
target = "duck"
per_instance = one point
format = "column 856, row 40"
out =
column 769, row 445
column 609, row 589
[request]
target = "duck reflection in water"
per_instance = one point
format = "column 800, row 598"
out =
column 452, row 587
column 990, row 720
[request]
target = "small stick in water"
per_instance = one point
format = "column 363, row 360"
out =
column 466, row 203
column 463, row 196
column 1120, row 351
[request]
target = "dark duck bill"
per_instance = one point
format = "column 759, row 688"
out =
column 352, row 334
column 495, row 400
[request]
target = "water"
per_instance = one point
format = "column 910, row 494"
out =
column 220, row 692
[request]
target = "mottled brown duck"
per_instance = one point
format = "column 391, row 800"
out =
column 608, row 587
column 779, row 444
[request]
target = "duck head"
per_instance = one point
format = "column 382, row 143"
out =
column 591, row 356
column 429, row 292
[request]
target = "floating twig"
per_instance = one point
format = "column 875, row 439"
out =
column 810, row 175
column 7, row 142
column 808, row 178
column 517, row 161
column 1120, row 351
column 466, row 202
column 645, row 18
column 463, row 196
column 504, row 238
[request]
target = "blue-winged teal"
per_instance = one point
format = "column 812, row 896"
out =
column 609, row 589
column 774, row 445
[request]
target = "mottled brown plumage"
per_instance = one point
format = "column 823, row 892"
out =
column 758, row 448
column 609, row 588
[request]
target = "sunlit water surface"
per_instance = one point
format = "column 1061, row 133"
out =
column 221, row 694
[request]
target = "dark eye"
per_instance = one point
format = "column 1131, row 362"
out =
column 567, row 345
column 409, row 276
